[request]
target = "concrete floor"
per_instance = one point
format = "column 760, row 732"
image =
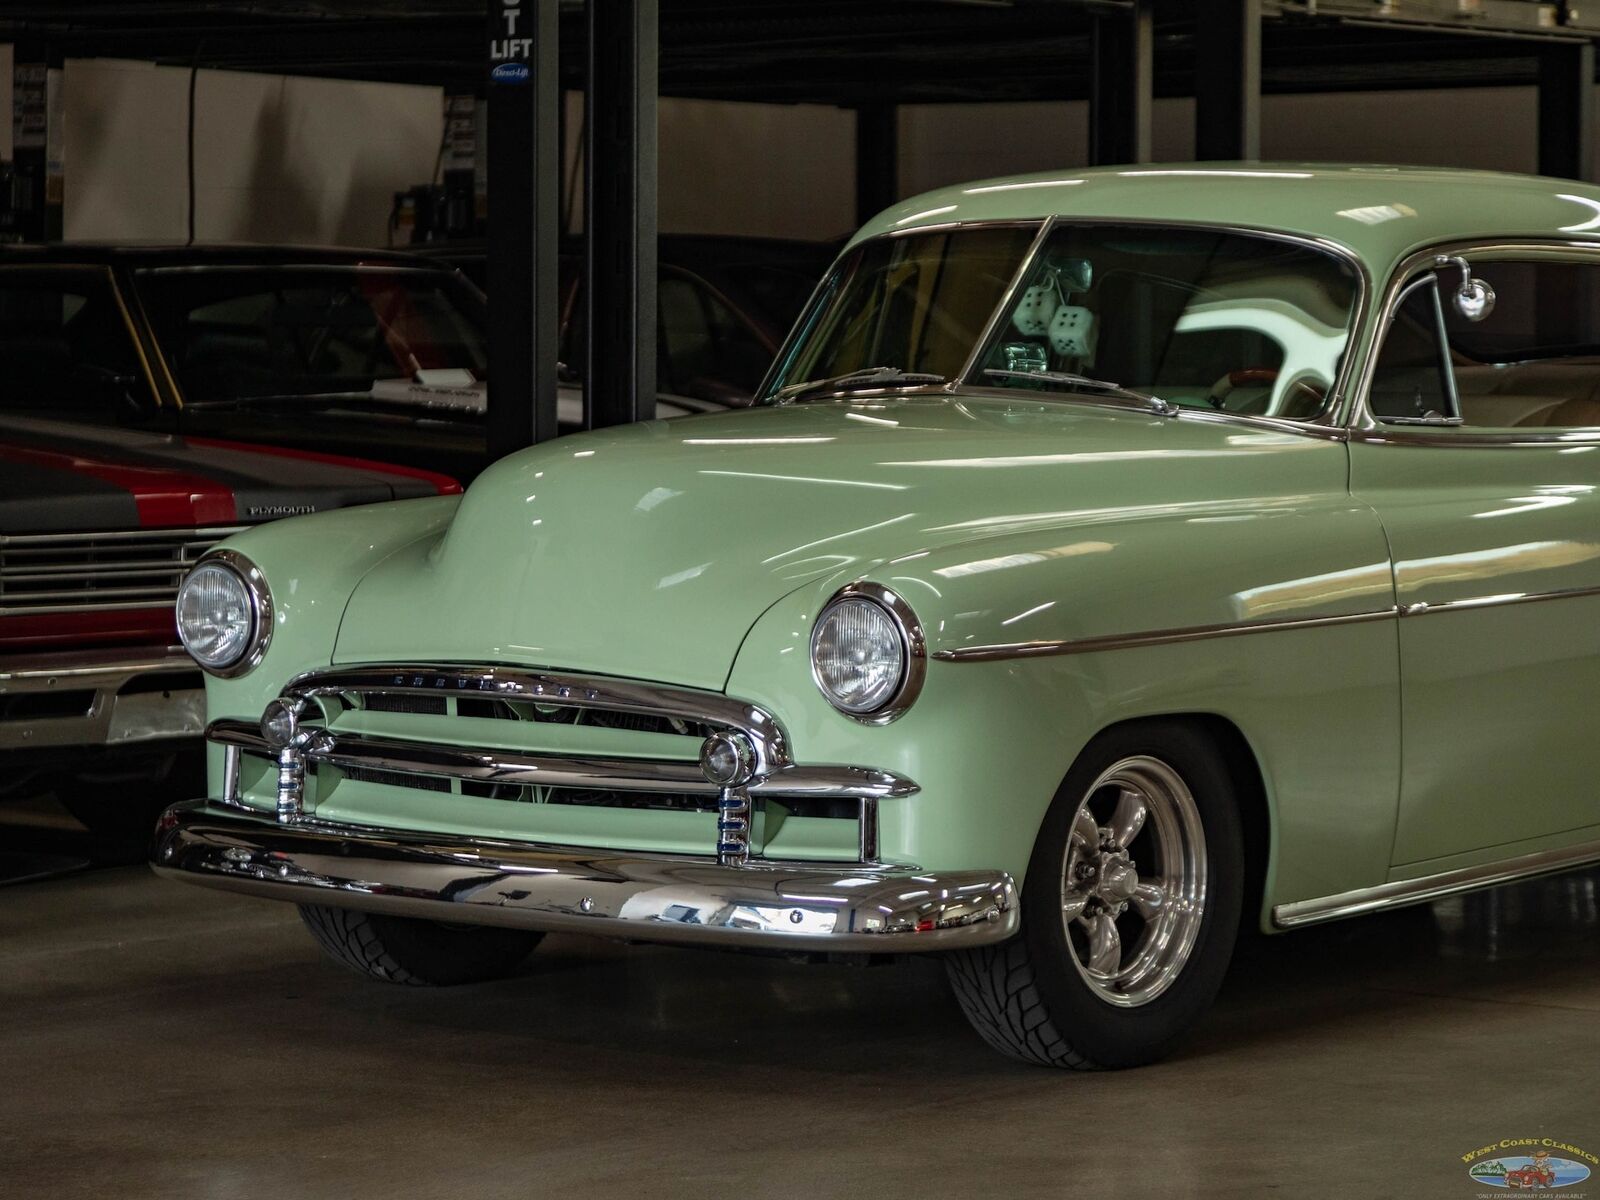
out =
column 160, row 1040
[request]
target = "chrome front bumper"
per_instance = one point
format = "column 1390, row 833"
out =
column 82, row 698
column 801, row 907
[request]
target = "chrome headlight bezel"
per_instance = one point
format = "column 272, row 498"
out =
column 913, row 651
column 259, row 597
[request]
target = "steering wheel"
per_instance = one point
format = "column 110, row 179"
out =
column 1217, row 397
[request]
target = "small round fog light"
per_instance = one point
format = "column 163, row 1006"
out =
column 728, row 759
column 280, row 723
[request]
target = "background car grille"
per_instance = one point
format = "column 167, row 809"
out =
column 78, row 572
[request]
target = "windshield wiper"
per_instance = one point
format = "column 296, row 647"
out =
column 868, row 377
column 1085, row 383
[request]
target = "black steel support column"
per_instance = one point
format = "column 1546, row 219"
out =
column 524, row 99
column 1122, row 92
column 1566, row 111
column 619, row 212
column 1227, row 79
column 877, row 159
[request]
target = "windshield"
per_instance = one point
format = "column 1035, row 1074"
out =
column 364, row 334
column 917, row 302
column 1201, row 318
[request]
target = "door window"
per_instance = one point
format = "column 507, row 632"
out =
column 1532, row 363
column 65, row 348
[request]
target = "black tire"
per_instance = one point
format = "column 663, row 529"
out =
column 1027, row 997
column 418, row 953
column 120, row 798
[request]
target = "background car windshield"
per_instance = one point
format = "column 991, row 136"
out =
column 1203, row 318
column 235, row 334
column 918, row 302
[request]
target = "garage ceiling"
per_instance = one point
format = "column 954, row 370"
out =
column 846, row 52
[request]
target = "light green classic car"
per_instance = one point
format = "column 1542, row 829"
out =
column 1116, row 555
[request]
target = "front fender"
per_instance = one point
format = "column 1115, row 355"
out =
column 312, row 565
column 992, row 735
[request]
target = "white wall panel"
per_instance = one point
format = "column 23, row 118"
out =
column 277, row 158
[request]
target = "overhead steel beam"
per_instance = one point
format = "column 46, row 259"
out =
column 619, row 207
column 1227, row 79
column 877, row 159
column 1566, row 111
column 524, row 222
column 1122, row 87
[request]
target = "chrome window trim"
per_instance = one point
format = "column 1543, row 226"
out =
column 255, row 584
column 267, row 267
column 1433, row 887
column 1330, row 423
column 912, row 638
column 1331, row 414
column 1366, row 428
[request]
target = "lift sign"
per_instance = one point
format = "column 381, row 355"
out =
column 507, row 51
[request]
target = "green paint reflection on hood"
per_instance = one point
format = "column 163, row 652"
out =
column 650, row 550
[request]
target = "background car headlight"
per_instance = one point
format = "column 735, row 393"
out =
column 867, row 653
column 224, row 614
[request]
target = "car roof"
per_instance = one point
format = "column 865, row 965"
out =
column 207, row 254
column 1379, row 213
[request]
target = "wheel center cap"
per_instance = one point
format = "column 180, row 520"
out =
column 1118, row 879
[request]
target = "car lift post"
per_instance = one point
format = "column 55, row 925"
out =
column 1566, row 110
column 877, row 159
column 1227, row 80
column 1122, row 86
column 524, row 98
column 619, row 211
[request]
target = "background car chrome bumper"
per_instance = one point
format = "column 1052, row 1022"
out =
column 659, row 898
column 99, row 698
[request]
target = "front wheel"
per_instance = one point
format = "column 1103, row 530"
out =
column 1129, row 910
column 420, row 953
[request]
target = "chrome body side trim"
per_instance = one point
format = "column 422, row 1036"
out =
column 507, row 767
column 1196, row 633
column 796, row 907
column 1154, row 637
column 107, row 718
column 1433, row 887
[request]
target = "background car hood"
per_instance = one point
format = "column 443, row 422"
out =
column 649, row 551
column 57, row 477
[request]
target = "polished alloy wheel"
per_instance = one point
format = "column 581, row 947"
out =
column 1133, row 881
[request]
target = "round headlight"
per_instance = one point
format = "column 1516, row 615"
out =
column 866, row 653
column 222, row 618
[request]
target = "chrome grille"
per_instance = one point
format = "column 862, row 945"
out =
column 646, row 758
column 85, row 572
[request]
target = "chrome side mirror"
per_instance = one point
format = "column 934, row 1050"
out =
column 1473, row 298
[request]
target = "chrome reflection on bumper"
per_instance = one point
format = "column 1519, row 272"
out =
column 644, row 897
column 98, row 678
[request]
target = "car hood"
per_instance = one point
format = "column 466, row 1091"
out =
column 57, row 477
column 650, row 550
